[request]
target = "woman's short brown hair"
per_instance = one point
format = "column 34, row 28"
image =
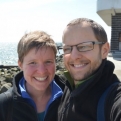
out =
column 35, row 39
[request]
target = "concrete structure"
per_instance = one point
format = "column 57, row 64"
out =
column 110, row 12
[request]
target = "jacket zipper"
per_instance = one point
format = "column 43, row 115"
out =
column 65, row 108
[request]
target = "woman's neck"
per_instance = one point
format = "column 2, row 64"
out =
column 40, row 98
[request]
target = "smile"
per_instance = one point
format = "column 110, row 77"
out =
column 41, row 78
column 78, row 65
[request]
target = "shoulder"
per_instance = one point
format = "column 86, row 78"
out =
column 117, row 97
column 5, row 103
column 6, row 96
column 113, row 103
column 60, row 80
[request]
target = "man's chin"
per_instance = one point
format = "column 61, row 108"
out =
column 77, row 79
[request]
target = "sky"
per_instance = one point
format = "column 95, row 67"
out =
column 20, row 16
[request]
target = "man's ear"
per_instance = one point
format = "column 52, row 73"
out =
column 20, row 64
column 105, row 50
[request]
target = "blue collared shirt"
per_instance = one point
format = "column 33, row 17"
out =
column 56, row 92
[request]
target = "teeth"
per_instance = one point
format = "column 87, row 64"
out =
column 80, row 65
column 40, row 78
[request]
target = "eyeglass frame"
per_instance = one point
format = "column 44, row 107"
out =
column 93, row 42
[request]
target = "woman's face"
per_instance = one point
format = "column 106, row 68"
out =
column 38, row 68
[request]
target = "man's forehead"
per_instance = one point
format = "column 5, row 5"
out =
column 84, row 27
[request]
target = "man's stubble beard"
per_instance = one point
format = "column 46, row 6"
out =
column 89, row 73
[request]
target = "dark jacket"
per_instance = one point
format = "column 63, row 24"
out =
column 81, row 103
column 17, row 108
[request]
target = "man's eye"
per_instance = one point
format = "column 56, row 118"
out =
column 66, row 49
column 83, row 47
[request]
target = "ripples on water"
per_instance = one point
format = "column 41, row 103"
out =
column 8, row 53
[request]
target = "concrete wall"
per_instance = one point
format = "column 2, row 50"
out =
column 107, row 8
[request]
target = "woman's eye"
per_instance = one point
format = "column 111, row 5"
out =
column 33, row 63
column 49, row 62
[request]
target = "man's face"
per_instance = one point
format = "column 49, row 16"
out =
column 38, row 68
column 82, row 64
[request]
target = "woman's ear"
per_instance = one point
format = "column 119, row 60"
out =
column 105, row 50
column 20, row 64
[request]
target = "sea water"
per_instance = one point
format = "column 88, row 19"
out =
column 8, row 53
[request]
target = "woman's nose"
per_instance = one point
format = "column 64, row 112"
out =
column 41, row 68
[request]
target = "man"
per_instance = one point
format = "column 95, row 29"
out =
column 85, row 49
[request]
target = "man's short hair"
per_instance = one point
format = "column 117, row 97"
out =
column 98, row 30
column 35, row 39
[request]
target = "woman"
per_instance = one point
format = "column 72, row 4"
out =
column 36, row 89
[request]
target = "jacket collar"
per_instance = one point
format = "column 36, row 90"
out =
column 99, row 80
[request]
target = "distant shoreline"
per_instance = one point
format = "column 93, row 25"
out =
column 8, row 53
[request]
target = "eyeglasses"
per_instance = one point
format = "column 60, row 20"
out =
column 81, row 47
